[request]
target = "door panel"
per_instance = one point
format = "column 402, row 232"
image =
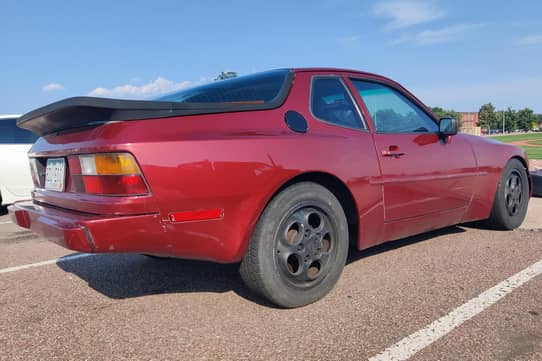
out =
column 430, row 176
column 421, row 172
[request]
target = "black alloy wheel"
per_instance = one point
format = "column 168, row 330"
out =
column 305, row 246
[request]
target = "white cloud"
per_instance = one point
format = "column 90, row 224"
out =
column 156, row 87
column 403, row 14
column 52, row 87
column 438, row 36
column 530, row 40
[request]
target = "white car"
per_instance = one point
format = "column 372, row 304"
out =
column 15, row 179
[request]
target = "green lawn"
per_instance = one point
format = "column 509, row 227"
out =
column 535, row 138
column 517, row 137
column 534, row 152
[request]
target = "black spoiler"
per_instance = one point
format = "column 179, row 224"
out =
column 81, row 112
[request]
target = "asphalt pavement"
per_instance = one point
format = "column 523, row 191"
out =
column 389, row 299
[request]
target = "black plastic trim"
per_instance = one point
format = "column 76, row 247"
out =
column 296, row 121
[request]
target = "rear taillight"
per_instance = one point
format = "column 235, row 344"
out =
column 106, row 173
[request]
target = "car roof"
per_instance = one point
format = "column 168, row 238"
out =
column 336, row 70
column 347, row 71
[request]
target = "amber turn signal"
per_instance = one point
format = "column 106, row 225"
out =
column 108, row 164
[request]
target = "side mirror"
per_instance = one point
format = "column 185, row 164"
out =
column 448, row 126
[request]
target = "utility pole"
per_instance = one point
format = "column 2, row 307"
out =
column 503, row 122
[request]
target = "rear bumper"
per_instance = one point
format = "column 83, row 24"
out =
column 90, row 233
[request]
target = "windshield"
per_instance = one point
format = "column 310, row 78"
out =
column 257, row 88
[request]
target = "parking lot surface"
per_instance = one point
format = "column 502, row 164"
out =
column 104, row 307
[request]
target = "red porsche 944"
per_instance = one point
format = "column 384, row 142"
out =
column 279, row 171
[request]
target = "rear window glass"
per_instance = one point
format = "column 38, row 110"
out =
column 255, row 89
column 10, row 133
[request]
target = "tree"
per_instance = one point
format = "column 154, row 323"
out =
column 226, row 75
column 444, row 113
column 487, row 116
column 510, row 119
column 525, row 119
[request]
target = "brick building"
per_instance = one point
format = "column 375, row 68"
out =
column 469, row 123
column 469, row 119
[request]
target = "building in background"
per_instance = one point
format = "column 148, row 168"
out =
column 469, row 119
column 469, row 123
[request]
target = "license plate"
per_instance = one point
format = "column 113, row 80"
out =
column 55, row 173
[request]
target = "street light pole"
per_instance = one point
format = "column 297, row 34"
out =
column 503, row 122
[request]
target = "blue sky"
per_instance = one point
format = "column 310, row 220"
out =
column 455, row 54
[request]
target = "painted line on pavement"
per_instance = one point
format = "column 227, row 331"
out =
column 45, row 263
column 422, row 338
column 5, row 222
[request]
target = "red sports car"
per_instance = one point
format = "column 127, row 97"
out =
column 278, row 171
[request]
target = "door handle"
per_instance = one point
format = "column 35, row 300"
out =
column 392, row 151
column 387, row 153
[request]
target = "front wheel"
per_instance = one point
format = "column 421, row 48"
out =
column 512, row 197
column 299, row 246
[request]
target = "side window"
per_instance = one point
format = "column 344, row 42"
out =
column 392, row 112
column 11, row 134
column 331, row 103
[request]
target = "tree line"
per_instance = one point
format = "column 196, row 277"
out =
column 490, row 118
column 523, row 119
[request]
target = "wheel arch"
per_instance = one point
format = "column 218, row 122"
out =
column 339, row 189
column 524, row 162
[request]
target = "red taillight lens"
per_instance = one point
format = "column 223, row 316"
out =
column 114, row 184
column 115, row 174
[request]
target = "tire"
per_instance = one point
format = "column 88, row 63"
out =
column 299, row 246
column 512, row 197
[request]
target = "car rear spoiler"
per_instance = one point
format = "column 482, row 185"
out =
column 81, row 112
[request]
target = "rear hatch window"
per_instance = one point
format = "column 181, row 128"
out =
column 258, row 88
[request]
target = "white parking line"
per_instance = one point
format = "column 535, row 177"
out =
column 5, row 222
column 45, row 263
column 419, row 340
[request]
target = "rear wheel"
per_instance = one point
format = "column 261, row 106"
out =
column 512, row 197
column 299, row 246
